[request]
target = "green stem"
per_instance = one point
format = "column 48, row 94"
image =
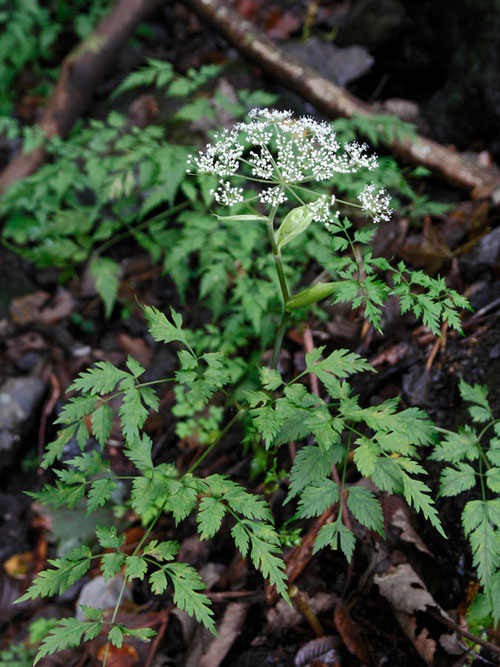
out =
column 209, row 449
column 283, row 286
column 282, row 279
column 279, row 339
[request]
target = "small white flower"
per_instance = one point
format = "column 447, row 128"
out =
column 227, row 194
column 375, row 203
column 220, row 158
column 322, row 212
column 272, row 196
column 282, row 152
column 262, row 164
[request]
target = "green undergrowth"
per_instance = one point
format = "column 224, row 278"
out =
column 471, row 458
column 262, row 226
column 111, row 181
column 254, row 274
column 29, row 34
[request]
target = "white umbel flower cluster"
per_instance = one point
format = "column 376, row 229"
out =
column 375, row 203
column 284, row 154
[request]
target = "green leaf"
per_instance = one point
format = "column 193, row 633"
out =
column 91, row 614
column 161, row 329
column 187, row 582
column 90, row 463
column 99, row 380
column 335, row 535
column 64, row 573
column 270, row 378
column 162, row 550
column 68, row 633
column 171, row 160
column 55, row 448
column 365, row 455
column 241, row 538
column 115, row 636
column 102, row 422
column 267, row 421
column 456, row 480
column 247, row 504
column 136, row 567
column 457, row 446
column 100, row 492
column 493, row 479
column 478, row 519
column 263, row 555
column 310, row 465
column 76, row 408
column 158, row 581
column 133, row 413
column 187, row 359
column 111, row 564
column 144, row 634
column 366, row 508
column 60, row 494
column 210, row 516
column 314, row 356
column 341, row 363
column 134, row 367
column 107, row 537
column 481, row 411
column 143, row 495
column 416, row 493
column 139, row 452
column 106, row 274
column 317, row 497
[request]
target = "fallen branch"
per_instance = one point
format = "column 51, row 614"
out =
column 333, row 101
column 81, row 72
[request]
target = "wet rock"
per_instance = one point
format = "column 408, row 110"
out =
column 417, row 383
column 28, row 362
column 484, row 256
column 19, row 400
column 13, row 524
column 340, row 64
column 101, row 594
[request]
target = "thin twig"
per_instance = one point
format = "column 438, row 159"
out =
column 158, row 638
column 451, row 625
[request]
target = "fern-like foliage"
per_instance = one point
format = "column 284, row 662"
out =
column 472, row 461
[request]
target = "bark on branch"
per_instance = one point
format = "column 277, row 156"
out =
column 333, row 101
column 81, row 72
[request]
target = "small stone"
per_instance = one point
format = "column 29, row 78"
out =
column 101, row 594
column 19, row 401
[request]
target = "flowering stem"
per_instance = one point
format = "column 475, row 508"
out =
column 277, row 256
column 282, row 279
column 279, row 339
column 284, row 289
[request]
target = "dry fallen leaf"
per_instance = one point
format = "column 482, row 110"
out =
column 41, row 307
column 229, row 629
column 126, row 656
column 19, row 565
column 407, row 594
column 322, row 650
column 350, row 634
